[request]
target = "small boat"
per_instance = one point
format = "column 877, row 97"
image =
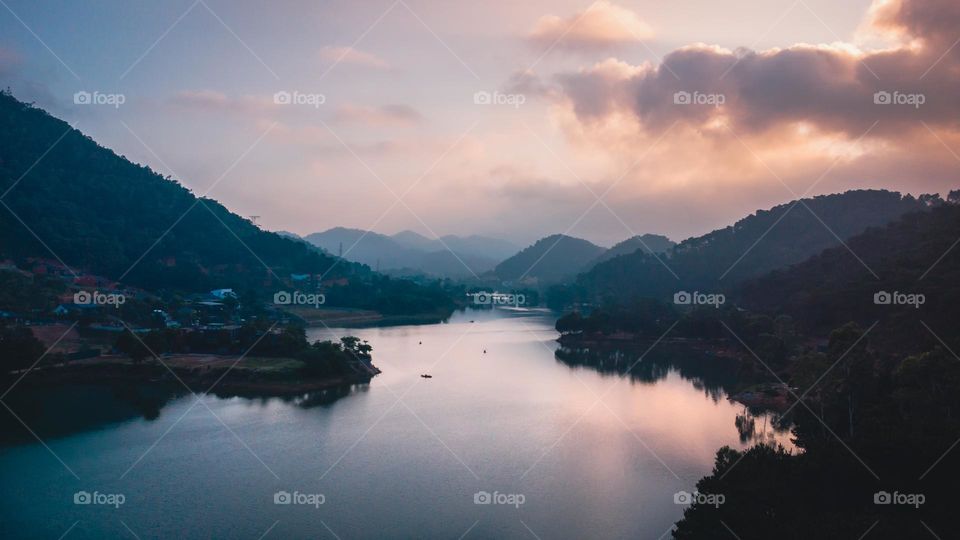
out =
column 425, row 376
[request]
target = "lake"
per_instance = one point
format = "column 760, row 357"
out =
column 508, row 439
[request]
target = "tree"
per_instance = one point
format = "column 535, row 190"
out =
column 19, row 349
column 131, row 345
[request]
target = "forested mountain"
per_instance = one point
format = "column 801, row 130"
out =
column 874, row 409
column 648, row 243
column 410, row 252
column 68, row 198
column 549, row 260
column 911, row 256
column 767, row 240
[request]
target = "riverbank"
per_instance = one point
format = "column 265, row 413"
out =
column 720, row 348
column 358, row 318
column 262, row 376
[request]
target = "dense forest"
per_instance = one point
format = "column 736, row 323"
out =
column 99, row 213
column 911, row 257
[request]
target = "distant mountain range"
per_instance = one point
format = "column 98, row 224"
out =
column 559, row 258
column 410, row 252
column 549, row 260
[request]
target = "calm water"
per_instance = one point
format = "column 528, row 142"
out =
column 402, row 457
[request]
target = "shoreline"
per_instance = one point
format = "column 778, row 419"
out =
column 721, row 348
column 200, row 373
column 350, row 318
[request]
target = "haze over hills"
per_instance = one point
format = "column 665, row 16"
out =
column 407, row 251
column 654, row 243
column 477, row 245
column 549, row 260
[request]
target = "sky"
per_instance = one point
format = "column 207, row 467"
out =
column 511, row 119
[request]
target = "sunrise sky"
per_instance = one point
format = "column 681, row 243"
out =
column 787, row 94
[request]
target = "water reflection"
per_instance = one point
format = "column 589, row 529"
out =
column 713, row 375
column 58, row 411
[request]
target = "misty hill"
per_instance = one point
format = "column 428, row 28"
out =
column 473, row 245
column 550, row 260
column 69, row 198
column 412, row 252
column 647, row 242
column 767, row 240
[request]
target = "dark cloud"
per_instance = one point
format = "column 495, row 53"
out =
column 834, row 88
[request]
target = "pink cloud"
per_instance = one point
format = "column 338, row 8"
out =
column 600, row 26
column 835, row 89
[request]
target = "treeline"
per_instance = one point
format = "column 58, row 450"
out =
column 320, row 358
